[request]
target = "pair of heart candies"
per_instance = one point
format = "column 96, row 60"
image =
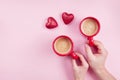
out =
column 52, row 23
column 63, row 45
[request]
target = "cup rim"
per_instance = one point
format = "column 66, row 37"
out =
column 70, row 51
column 96, row 22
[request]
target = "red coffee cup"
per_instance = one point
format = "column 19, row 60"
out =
column 89, row 27
column 63, row 46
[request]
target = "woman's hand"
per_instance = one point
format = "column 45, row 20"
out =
column 80, row 70
column 97, row 61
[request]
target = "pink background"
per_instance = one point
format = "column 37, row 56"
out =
column 25, row 43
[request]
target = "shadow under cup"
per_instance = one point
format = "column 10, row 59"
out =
column 63, row 46
column 90, row 27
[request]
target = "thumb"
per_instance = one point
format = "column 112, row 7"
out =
column 89, row 52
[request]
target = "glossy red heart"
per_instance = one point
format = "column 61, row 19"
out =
column 67, row 18
column 51, row 23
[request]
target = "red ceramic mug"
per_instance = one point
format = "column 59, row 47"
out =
column 63, row 46
column 89, row 27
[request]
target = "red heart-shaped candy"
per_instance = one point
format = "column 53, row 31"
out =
column 51, row 23
column 67, row 18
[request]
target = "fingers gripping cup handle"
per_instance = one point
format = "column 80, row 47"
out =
column 93, row 46
column 91, row 43
column 73, row 55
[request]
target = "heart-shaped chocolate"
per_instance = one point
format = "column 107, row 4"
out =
column 67, row 18
column 51, row 23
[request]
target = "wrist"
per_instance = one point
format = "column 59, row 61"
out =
column 100, row 70
column 79, row 77
column 103, row 74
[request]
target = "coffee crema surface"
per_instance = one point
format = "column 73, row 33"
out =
column 89, row 27
column 62, row 45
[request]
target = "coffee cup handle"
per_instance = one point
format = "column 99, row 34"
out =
column 74, row 56
column 91, row 43
column 93, row 46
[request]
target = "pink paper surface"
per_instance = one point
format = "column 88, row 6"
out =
column 26, row 44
